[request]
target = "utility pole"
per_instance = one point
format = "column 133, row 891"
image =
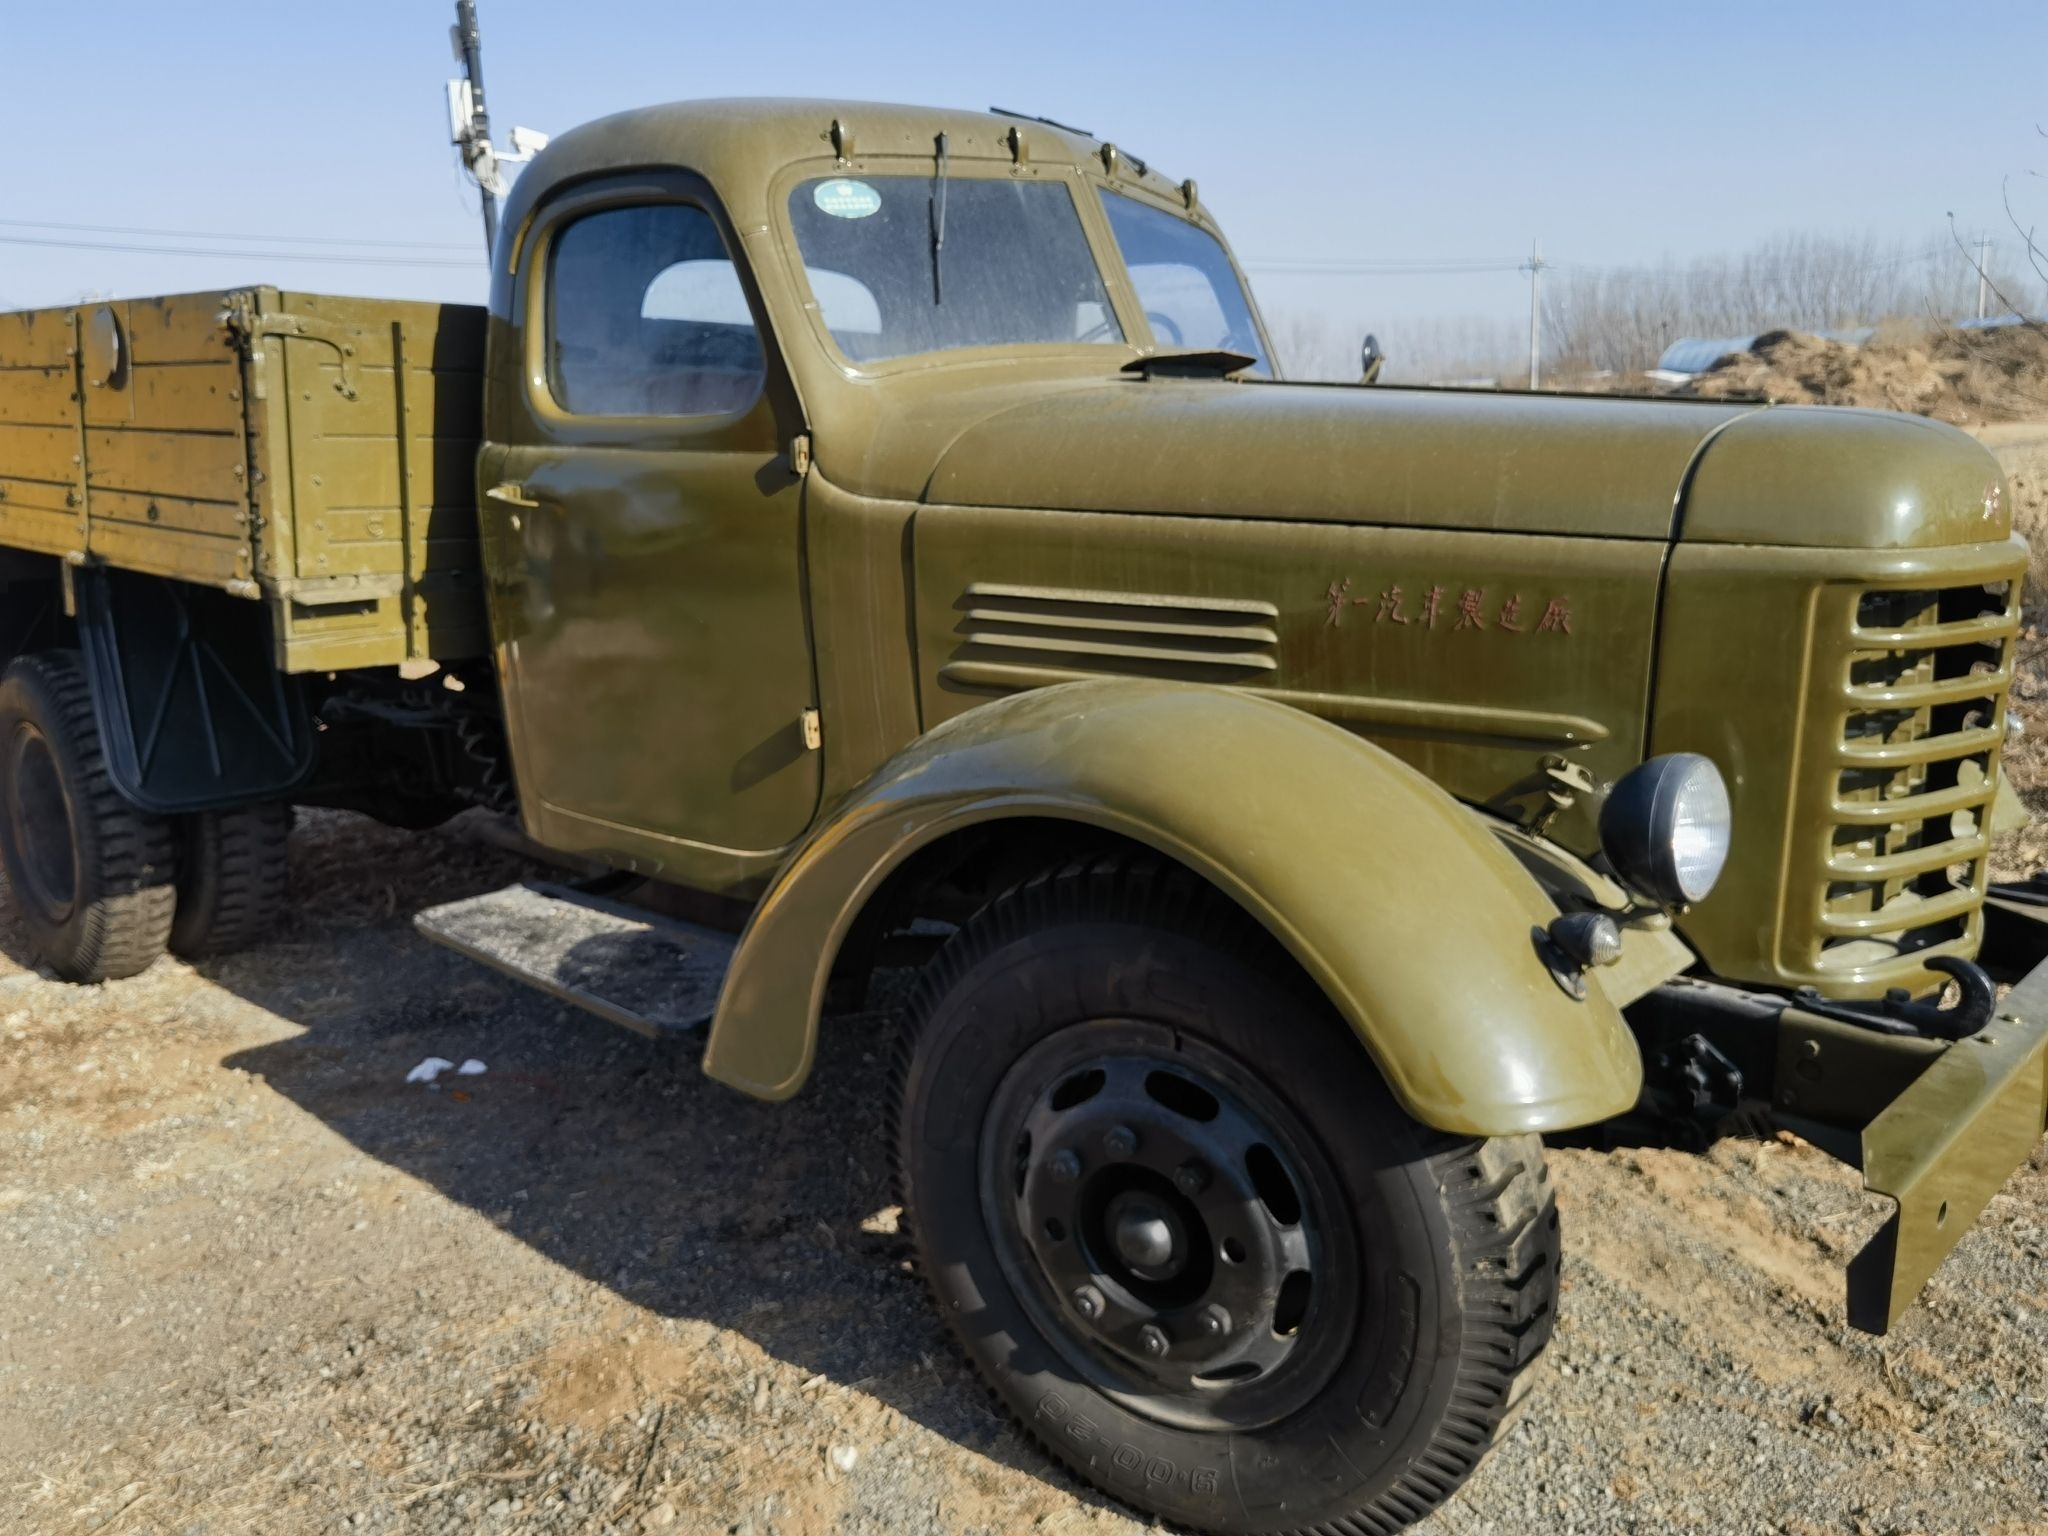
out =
column 1983, row 274
column 469, row 122
column 475, row 135
column 1534, row 267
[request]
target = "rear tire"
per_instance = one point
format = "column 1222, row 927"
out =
column 231, row 878
column 92, row 876
column 1342, row 1304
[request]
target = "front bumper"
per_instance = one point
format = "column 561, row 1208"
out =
column 1945, row 1146
column 1935, row 1125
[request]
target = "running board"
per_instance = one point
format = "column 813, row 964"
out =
column 654, row 975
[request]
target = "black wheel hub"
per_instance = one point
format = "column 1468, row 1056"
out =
column 1168, row 1220
column 39, row 811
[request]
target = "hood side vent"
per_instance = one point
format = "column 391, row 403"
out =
column 1007, row 634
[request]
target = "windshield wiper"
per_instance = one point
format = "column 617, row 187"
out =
column 938, row 212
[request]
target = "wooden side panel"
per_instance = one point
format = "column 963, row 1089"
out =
column 166, row 453
column 46, row 454
column 196, row 466
column 172, row 397
column 35, row 396
column 42, row 474
column 383, row 442
column 317, row 450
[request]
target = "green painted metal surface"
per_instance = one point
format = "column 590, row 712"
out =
column 1411, row 917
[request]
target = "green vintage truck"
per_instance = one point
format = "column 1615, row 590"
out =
column 892, row 527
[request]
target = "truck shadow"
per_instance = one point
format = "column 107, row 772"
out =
column 610, row 1155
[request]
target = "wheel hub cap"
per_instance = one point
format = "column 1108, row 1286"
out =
column 1145, row 1238
column 1171, row 1232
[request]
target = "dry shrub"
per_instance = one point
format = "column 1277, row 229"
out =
column 2026, row 469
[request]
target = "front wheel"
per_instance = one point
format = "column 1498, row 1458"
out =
column 1176, row 1220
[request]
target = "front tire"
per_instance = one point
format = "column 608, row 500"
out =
column 92, row 876
column 1175, row 1219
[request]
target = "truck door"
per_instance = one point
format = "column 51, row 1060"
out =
column 642, row 529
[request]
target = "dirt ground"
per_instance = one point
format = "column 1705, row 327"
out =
column 254, row 1281
column 1966, row 378
column 251, row 1280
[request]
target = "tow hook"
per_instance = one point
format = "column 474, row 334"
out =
column 1898, row 1013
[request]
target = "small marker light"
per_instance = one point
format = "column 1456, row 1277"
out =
column 1588, row 938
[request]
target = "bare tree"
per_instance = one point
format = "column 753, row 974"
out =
column 1313, row 346
column 1623, row 318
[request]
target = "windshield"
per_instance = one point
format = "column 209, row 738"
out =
column 1190, row 292
column 1012, row 267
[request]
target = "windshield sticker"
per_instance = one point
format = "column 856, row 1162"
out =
column 845, row 199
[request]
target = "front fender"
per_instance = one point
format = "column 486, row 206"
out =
column 1409, row 915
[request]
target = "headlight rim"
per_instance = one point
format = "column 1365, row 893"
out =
column 1640, row 822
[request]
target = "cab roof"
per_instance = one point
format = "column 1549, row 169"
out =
column 740, row 145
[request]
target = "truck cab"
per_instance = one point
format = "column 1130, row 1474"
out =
column 681, row 360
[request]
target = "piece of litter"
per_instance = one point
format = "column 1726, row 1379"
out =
column 843, row 1457
column 429, row 1069
column 471, row 1068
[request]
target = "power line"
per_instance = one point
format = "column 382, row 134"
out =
column 1389, row 267
column 216, row 234
column 194, row 250
column 1463, row 266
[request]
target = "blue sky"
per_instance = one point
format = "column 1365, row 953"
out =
column 1616, row 133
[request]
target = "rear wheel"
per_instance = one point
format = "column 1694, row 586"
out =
column 231, row 878
column 1176, row 1220
column 90, row 874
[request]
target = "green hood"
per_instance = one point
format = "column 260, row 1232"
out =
column 1446, row 459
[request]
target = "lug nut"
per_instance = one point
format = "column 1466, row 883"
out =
column 1088, row 1302
column 1120, row 1141
column 1215, row 1321
column 1191, row 1178
column 1065, row 1166
column 1154, row 1339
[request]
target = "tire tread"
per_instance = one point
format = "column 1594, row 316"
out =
column 231, row 887
column 127, row 855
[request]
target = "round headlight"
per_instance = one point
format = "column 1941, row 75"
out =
column 1665, row 828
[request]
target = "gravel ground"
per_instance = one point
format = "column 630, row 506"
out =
column 255, row 1281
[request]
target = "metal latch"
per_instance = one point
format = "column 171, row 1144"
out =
column 800, row 454
column 241, row 315
column 1565, row 782
column 814, row 730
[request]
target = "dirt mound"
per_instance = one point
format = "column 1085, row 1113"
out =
column 1966, row 378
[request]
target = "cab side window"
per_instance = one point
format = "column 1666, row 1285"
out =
column 646, row 317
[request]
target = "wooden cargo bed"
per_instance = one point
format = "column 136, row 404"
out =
column 313, row 453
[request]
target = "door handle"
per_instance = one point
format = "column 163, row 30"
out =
column 512, row 493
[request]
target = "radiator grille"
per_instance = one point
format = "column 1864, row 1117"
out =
column 1919, row 676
